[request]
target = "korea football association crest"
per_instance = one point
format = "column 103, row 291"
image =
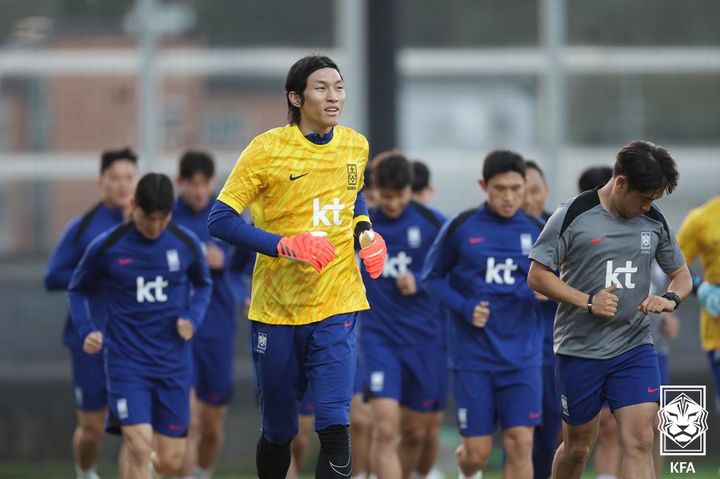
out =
column 173, row 260
column 645, row 242
column 683, row 420
column 262, row 343
column 352, row 176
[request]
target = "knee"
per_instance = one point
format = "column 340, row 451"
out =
column 90, row 431
column 360, row 423
column 138, row 451
column 386, row 432
column 641, row 441
column 475, row 457
column 169, row 462
column 415, row 436
column 211, row 432
column 577, row 451
column 517, row 444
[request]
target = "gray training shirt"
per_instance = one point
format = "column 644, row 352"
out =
column 593, row 250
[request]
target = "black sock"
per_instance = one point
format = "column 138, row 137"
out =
column 335, row 460
column 272, row 460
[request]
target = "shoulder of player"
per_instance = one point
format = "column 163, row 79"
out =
column 352, row 135
column 186, row 237
column 106, row 240
column 80, row 223
column 577, row 206
column 459, row 220
column 655, row 215
column 432, row 216
column 538, row 223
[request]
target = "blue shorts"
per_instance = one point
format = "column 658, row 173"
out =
column 416, row 378
column 289, row 359
column 584, row 384
column 359, row 383
column 162, row 402
column 663, row 368
column 484, row 399
column 213, row 369
column 88, row 371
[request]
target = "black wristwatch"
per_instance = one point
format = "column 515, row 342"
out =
column 672, row 297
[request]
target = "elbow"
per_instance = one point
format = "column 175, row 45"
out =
column 533, row 279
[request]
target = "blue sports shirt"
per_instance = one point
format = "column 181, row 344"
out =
column 482, row 256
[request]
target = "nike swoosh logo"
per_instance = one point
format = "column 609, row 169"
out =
column 596, row 240
column 534, row 415
column 477, row 240
column 293, row 178
column 345, row 470
column 347, row 324
column 125, row 261
column 652, row 390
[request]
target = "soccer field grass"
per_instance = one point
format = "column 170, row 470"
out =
column 64, row 471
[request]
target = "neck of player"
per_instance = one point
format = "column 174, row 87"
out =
column 606, row 198
column 307, row 127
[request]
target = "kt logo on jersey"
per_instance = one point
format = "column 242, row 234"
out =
column 151, row 291
column 683, row 420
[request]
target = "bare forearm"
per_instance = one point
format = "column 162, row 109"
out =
column 681, row 282
column 548, row 284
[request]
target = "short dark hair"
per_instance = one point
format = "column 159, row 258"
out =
column 421, row 176
column 192, row 162
column 392, row 170
column 154, row 193
column 647, row 167
column 594, row 177
column 502, row 161
column 296, row 80
column 109, row 157
column 532, row 165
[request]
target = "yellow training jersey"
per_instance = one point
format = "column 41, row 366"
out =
column 291, row 186
column 699, row 237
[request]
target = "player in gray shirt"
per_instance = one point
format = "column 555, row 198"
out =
column 603, row 242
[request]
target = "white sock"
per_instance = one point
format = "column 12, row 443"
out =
column 362, row 475
column 201, row 473
column 87, row 474
column 606, row 476
column 477, row 475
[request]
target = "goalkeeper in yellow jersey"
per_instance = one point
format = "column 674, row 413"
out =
column 699, row 237
column 301, row 183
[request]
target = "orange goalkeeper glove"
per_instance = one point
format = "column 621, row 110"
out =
column 306, row 248
column 373, row 252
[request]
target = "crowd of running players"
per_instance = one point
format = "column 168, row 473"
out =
column 370, row 309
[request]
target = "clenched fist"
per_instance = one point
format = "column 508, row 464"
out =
column 481, row 314
column 604, row 303
column 185, row 329
column 93, row 342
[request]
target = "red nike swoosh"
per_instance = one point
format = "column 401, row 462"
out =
column 652, row 390
column 596, row 240
column 534, row 415
column 125, row 261
column 477, row 240
column 175, row 427
column 347, row 324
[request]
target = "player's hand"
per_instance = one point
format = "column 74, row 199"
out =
column 406, row 284
column 604, row 302
column 656, row 304
column 306, row 248
column 373, row 252
column 669, row 326
column 93, row 342
column 215, row 256
column 481, row 314
column 185, row 329
column 709, row 296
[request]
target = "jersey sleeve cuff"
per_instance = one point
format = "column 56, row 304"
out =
column 231, row 202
